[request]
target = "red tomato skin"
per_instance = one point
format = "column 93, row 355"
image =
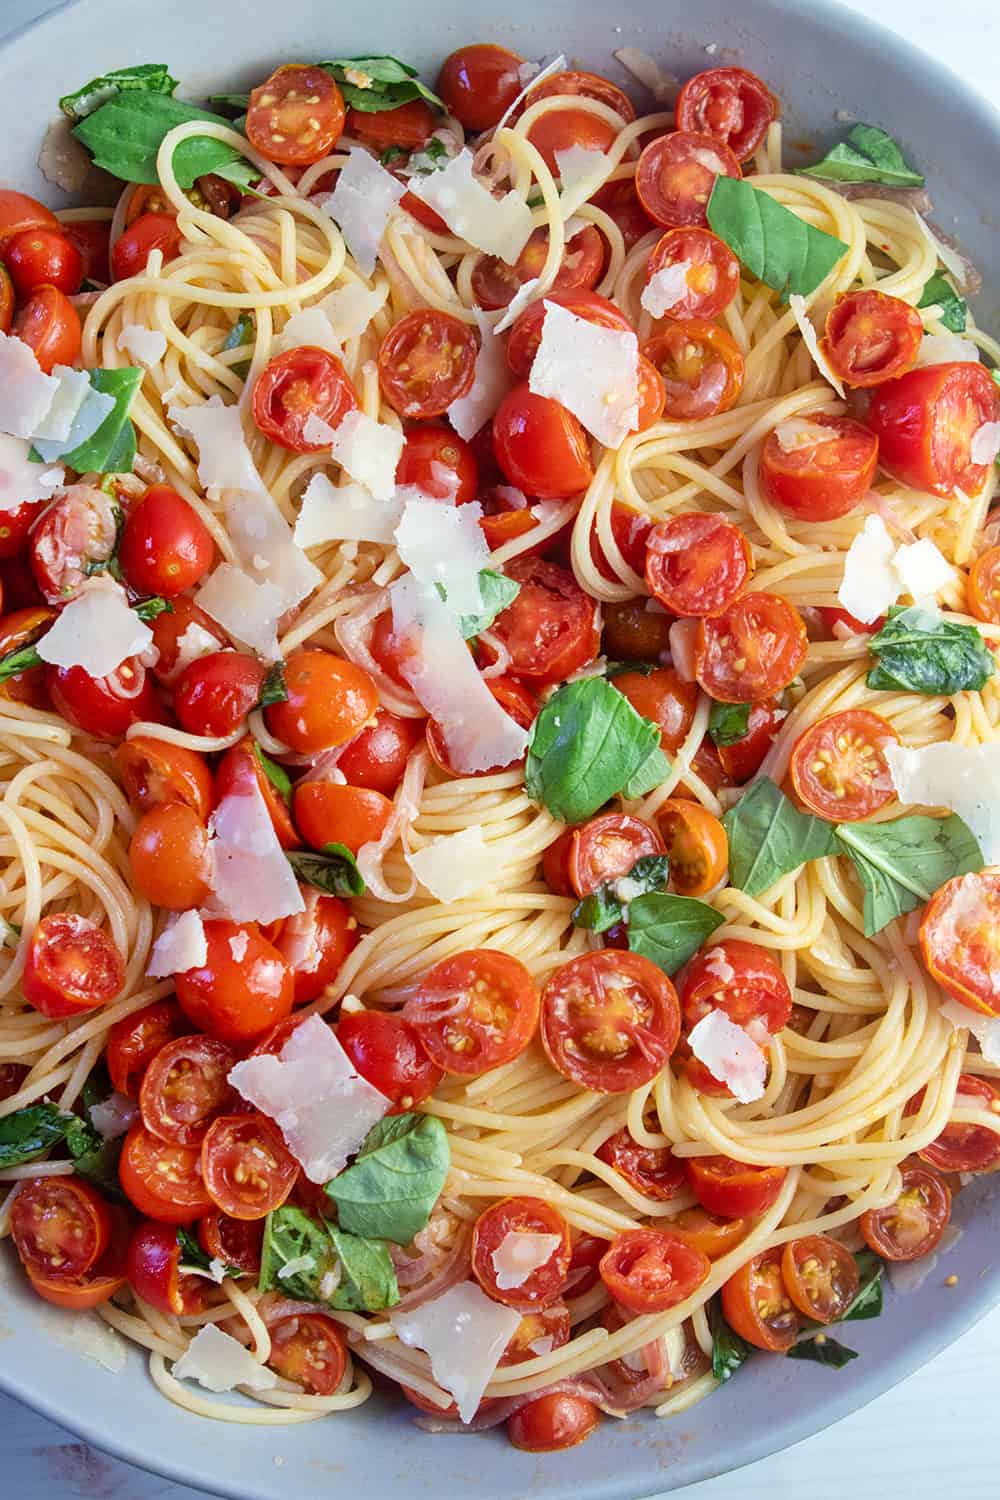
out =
column 719, row 676
column 215, row 693
column 237, row 1000
column 98, row 705
column 154, row 771
column 60, row 1225
column 170, row 628
column 43, row 257
column 917, row 444
column 426, row 361
column 495, row 1023
column 430, row 448
column 329, row 701
column 530, row 1216
column 77, row 1295
column 674, row 192
column 303, row 382
column 71, row 966
column 607, row 847
column 148, row 232
column 19, row 212
column 877, row 1227
column 93, row 240
column 376, row 758
column 166, row 548
column 148, row 1171
column 477, row 83
column 552, row 1423
column 49, row 324
column 744, row 757
column 740, row 122
column 386, row 1050
column 238, row 772
column 716, row 269
column 526, row 334
column 734, row 1190
column 153, row 1270
column 956, row 939
column 964, row 1148
column 16, row 524
column 653, row 1171
column 540, row 446
column 802, row 485
column 410, row 125
column 327, row 812
column 742, row 979
column 570, row 985
column 687, row 1268
column 134, row 1041
column 550, row 629
column 697, row 564
column 314, row 943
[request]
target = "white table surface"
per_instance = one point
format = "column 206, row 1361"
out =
column 927, row 1437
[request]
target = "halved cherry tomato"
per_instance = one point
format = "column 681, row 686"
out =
column 925, row 422
column 389, row 650
column 295, row 116
column 701, row 367
column 912, row 1225
column 409, row 125
column 555, row 864
column 550, row 630
column 652, row 395
column 508, row 515
column 743, row 758
column 133, row 247
column 60, row 1226
column 329, row 701
column 742, row 979
column 620, row 202
column 154, row 1274
column 707, row 272
column 386, row 1050
column 821, row 1277
column 651, row 1270
column 104, row 706
column 185, row 1087
column 248, row 1169
column 561, row 129
column 161, row 1179
column 552, row 1423
column 653, row 1171
column 237, row 1242
column 169, row 857
column 181, row 636
column 19, row 212
column 733, row 1189
column 676, row 174
column 92, row 238
column 696, row 845
column 155, row 771
column 697, row 563
column 50, row 326
column 165, row 546
column 606, row 848
column 578, row 85
column 550, row 1323
column 664, row 697
column 310, row 1348
column 376, row 757
column 983, row 587
column 243, row 988
column 43, row 257
column 838, row 766
column 315, row 942
column 515, row 700
column 752, row 651
column 99, row 1284
column 303, row 386
column 709, row 1233
column 439, row 463
column 630, row 528
column 71, row 966
column 475, row 1011
column 871, row 337
column 958, row 939
column 216, row 692
column 326, row 812
column 833, row 617
column 495, row 283
column 540, row 446
column 610, row 1020
column 520, row 1216
column 584, row 1273
column 239, row 771
column 74, row 534
column 965, row 1148
column 425, row 362
column 757, row 1305
column 731, row 105
column 477, row 83
column 135, row 1040
column 23, row 627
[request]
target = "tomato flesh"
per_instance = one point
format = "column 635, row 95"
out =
column 925, row 422
column 825, row 474
column 756, row 1303
column 732, row 105
column 911, row 1226
column 247, row 1169
column 676, row 174
column 733, row 1189
column 299, row 390
column 649, row 1270
column 839, row 768
column 653, row 1171
column 752, row 650
column 821, row 1277
column 71, row 966
column 60, row 1226
column 387, row 1051
column 958, row 940
column 610, row 1020
column 426, row 361
column 697, row 564
column 475, row 1011
column 534, row 1285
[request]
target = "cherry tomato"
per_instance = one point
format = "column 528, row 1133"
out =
column 631, row 530
column 478, row 83
column 540, row 446
column 957, row 939
column 243, row 988
column 16, row 524
column 426, row 361
column 696, row 845
column 820, row 1276
column 757, row 1305
column 239, row 771
column 327, row 812
column 48, row 323
column 911, row 1226
column 154, row 1274
column 247, row 1168
column 743, row 758
column 104, row 706
column 620, row 202
column 577, row 85
column 526, row 334
column 77, row 532
column 169, row 857
column 584, row 1273
column 650, row 1270
column 19, row 212
column 495, row 283
column 376, row 758
column 409, row 125
column 147, row 198
column 520, row 1216
column 561, row 129
column 653, row 1171
column 965, row 1148
column 610, row 1021
column 925, row 422
column 475, row 1011
column 296, row 115
column 133, row 247
column 389, row 650
column 550, row 630
column 135, row 1040
column 60, row 1226
column 983, row 587
column 701, row 367
column 438, row 462
column 676, row 174
column 516, row 701
column 165, row 546
column 310, row 1348
column 871, row 337
column 301, row 387
column 386, row 1050
column 712, row 1235
column 697, row 563
column 71, row 966
column 216, row 692
column 707, row 272
column 555, row 864
column 82, row 1292
column 43, row 257
column 741, row 979
column 729, row 104
column 733, row 1189
column 752, row 651
column 329, row 701
column 6, row 300
column 606, row 848
column 92, row 238
column 237, row 1242
column 832, row 617
column 652, row 398
column 154, row 772
column 23, row 627
column 664, row 697
column 162, row 1179
column 315, row 942
column 824, row 476
column 181, row 636
column 838, row 766
column 552, row 1422
column 185, row 1086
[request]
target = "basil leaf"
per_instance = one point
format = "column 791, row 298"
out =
column 125, row 134
column 670, row 929
column 496, row 592
column 238, row 103
column 869, row 155
column 377, row 83
column 194, row 1261
column 367, row 1274
column 868, row 1302
column 939, row 292
column 901, row 864
column 823, row 1350
column 769, row 837
column 334, row 870
column 920, row 652
column 587, row 744
column 276, row 774
column 619, row 668
column 104, row 447
column 728, row 722
column 391, row 154
column 121, row 458
column 729, row 1349
column 243, row 332
column 21, row 660
column 28, row 1133
column 145, row 78
column 273, row 689
column 395, row 1180
column 773, row 243
column 292, row 1236
column 605, row 907
column 94, row 1158
column 151, row 609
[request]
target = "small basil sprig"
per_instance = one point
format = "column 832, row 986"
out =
column 273, row 689
column 902, row 863
column 153, row 608
column 243, row 332
column 769, row 837
column 94, row 1157
column 728, row 722
column 939, row 292
column 28, row 1133
column 918, row 651
column 605, row 907
column 20, row 660
column 376, row 83
column 395, row 1180
column 144, row 78
column 670, row 929
column 125, row 134
column 773, row 243
column 868, row 1301
column 334, row 869
column 868, row 155
column 729, row 1349
column 367, row 1278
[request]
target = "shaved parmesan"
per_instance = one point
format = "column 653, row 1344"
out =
column 530, row 74
column 464, row 1333
column 946, row 349
column 497, row 226
column 922, row 569
column 147, row 345
column 182, row 945
column 491, row 382
column 266, row 548
column 985, row 443
column 369, row 451
column 312, row 1091
column 26, row 393
column 192, row 644
column 580, row 164
column 247, row 610
column 96, row 631
column 66, row 402
column 252, row 880
column 20, row 479
column 219, row 1363
column 870, row 583
column 350, row 308
column 730, row 1055
column 666, row 288
column 443, row 675
column 361, row 203
column 93, row 409
column 964, row 778
column 455, row 865
column 948, row 257
column 444, row 545
column 592, row 371
column 224, row 460
column 348, row 514
column 797, row 304
column 113, row 1116
column 795, row 433
column 309, row 327
column 985, row 1029
column 519, row 1254
column 664, row 87
column 521, row 299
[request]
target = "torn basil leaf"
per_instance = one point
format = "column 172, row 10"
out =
column 773, row 243
column 275, row 773
column 389, row 1190
column 728, row 722
column 144, row 78
column 273, row 688
column 125, row 134
column 823, row 1350
column 29, row 1132
column 605, row 907
column 868, row 1302
column 939, row 292
column 311, row 1261
column 902, row 863
column 376, row 83
column 151, row 609
column 769, row 837
column 21, row 660
column 868, row 155
column 919, row 651
column 670, row 929
column 333, row 870
column 496, row 592
column 729, row 1349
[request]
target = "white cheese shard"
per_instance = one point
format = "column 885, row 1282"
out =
column 247, row 610
column 522, row 298
column 96, row 631
column 114, row 1116
column 663, row 86
column 444, row 545
column 948, row 257
column 348, row 514
column 312, row 1091
column 519, row 1254
column 351, row 307
column 20, row 479
column 93, row 409
column 985, row 1029
column 464, row 1334
column 361, row 203
column 192, row 644
column 218, row 1362
column 26, row 393
column 946, row 349
column 455, row 864
column 252, row 880
column 66, row 402
column 312, row 328
column 730, row 1055
column 224, row 460
column 797, row 305
column 497, row 226
column 964, row 778
column 922, row 568
column 295, row 1265
column 182, row 945
column 870, row 583
column 266, row 549
column 666, row 288
column 370, row 452
column 444, row 677
column 147, row 345
column 795, row 433
column 491, row 381
column 592, row 371
column 985, row 443
column 581, row 164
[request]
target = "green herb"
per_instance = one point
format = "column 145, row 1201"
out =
column 124, row 136
column 995, row 377
column 10, row 930
column 496, row 592
column 145, row 78
column 868, row 155
column 194, row 1261
column 603, row 908
column 121, row 458
column 333, row 870
column 273, row 688
column 728, row 722
column 939, row 292
column 21, row 660
column 729, row 1350
column 367, row 1275
column 367, row 1281
column 823, row 1350
column 394, row 1182
column 670, row 929
column 587, row 744
column 773, row 243
column 242, row 333
column 619, row 668
column 769, row 837
column 432, row 157
column 901, row 864
column 238, row 103
column 386, row 83
column 868, row 1302
column 104, row 448
column 28, row 1133
column 920, row 652
column 391, row 154
column 152, row 609
column 94, row 1158
column 276, row 775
